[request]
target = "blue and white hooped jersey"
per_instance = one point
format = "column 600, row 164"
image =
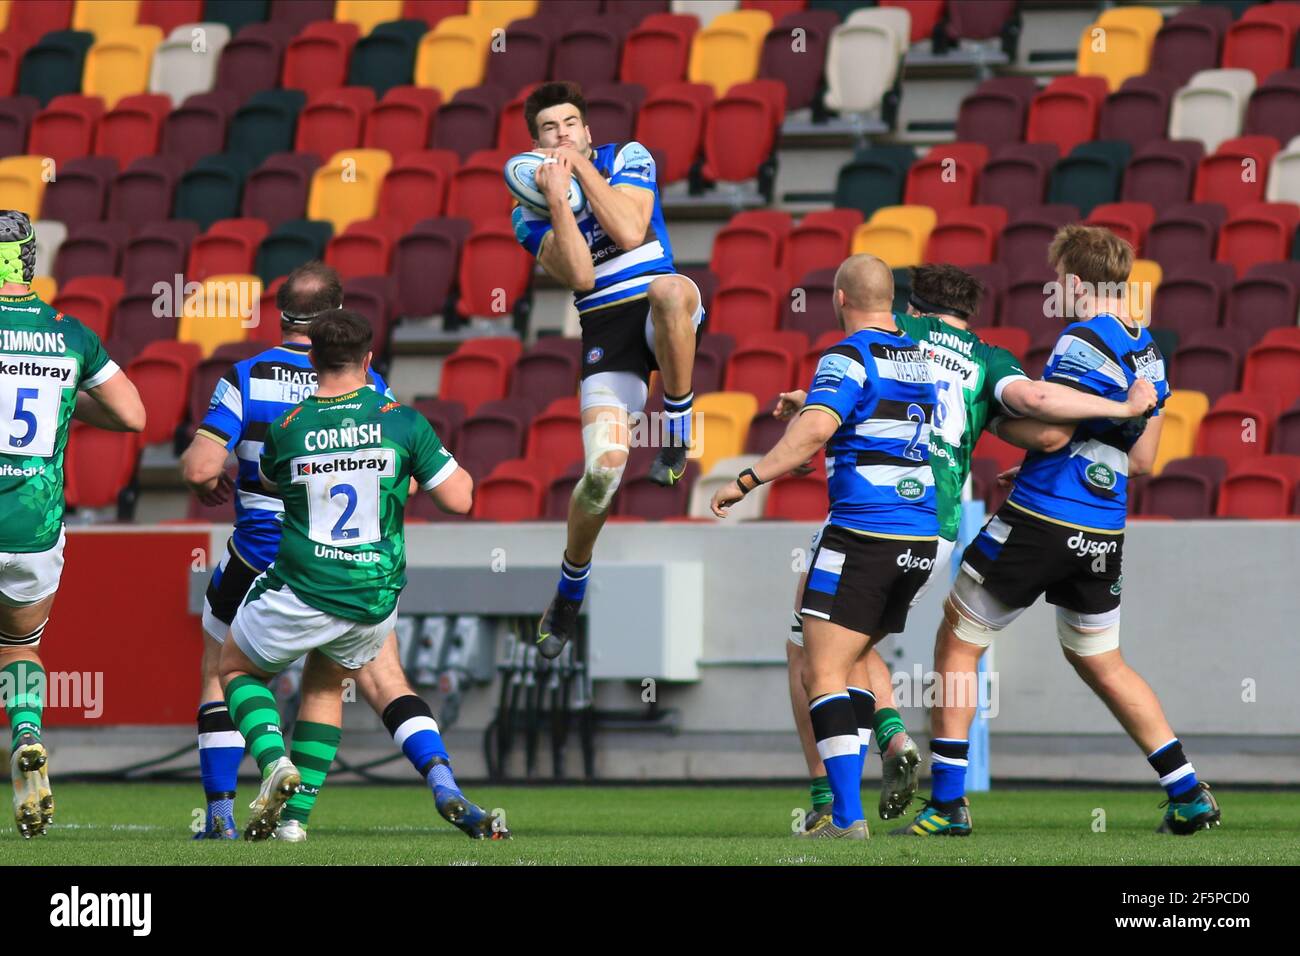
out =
column 1085, row 484
column 254, row 393
column 881, row 390
column 621, row 275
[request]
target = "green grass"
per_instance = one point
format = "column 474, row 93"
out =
column 145, row 823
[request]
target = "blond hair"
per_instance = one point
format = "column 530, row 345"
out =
column 1094, row 254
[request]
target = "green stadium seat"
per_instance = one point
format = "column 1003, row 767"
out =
column 266, row 124
column 211, row 190
column 235, row 14
column 1090, row 175
column 290, row 245
column 875, row 177
column 386, row 57
column 53, row 66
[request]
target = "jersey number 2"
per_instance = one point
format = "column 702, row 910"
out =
column 916, row 414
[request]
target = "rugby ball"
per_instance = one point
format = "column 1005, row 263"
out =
column 521, row 180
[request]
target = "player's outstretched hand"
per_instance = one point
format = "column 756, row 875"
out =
column 789, row 403
column 1141, row 398
column 1008, row 477
column 220, row 492
column 725, row 497
column 553, row 175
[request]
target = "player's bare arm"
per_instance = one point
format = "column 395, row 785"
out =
column 114, row 406
column 456, row 494
column 1050, row 402
column 1142, row 456
column 564, row 253
column 203, row 469
column 799, row 443
column 623, row 211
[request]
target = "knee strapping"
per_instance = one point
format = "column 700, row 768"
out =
column 30, row 639
column 599, row 482
column 964, row 625
column 1086, row 642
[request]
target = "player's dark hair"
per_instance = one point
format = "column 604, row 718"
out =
column 339, row 340
column 553, row 94
column 308, row 290
column 941, row 289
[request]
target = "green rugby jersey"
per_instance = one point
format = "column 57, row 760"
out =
column 342, row 466
column 45, row 357
column 969, row 375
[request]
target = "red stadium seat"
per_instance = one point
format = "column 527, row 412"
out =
column 99, row 465
column 1066, row 113
column 740, row 130
column 92, row 299
column 1263, row 39
column 65, row 129
column 762, row 370
column 417, row 186
column 747, row 247
column 745, row 305
column 364, row 248
column 1275, row 368
column 512, row 129
column 671, row 122
column 333, row 120
column 555, row 442
column 797, row 498
column 494, row 271
column 473, row 379
column 1128, row 220
column 476, row 190
column 167, row 15
column 512, row 492
column 161, row 373
column 1237, row 426
column 658, row 51
column 317, row 58
column 1014, row 340
column 31, row 21
column 820, row 241
column 1259, row 488
column 227, row 248
column 1256, row 233
column 946, row 177
column 1220, row 178
column 966, row 235
column 133, row 128
column 926, row 15
column 402, row 122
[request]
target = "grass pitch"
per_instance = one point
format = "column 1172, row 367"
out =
column 148, row 824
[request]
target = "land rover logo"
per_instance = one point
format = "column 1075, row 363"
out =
column 1100, row 476
column 910, row 489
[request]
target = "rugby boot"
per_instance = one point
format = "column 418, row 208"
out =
column 1197, row 810
column 558, row 626
column 279, row 783
column 901, row 765
column 857, row 830
column 934, row 821
column 33, row 800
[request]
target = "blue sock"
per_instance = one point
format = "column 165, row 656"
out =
column 948, row 769
column 864, row 710
column 677, row 419
column 221, row 749
column 411, row 723
column 573, row 579
column 1177, row 775
column 836, row 730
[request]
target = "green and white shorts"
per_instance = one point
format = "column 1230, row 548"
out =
column 275, row 628
column 28, row 577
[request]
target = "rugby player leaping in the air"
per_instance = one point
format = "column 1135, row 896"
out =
column 637, row 314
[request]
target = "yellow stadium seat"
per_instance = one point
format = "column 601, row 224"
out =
column 1182, row 413
column 103, row 16
column 896, row 234
column 453, row 56
column 118, row 64
column 22, row 183
column 498, row 13
column 1118, row 44
column 366, row 13
column 222, row 311
column 45, row 287
column 727, row 51
column 4, row 15
column 723, row 422
column 1143, row 281
column 347, row 187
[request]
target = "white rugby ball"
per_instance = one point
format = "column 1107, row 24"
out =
column 521, row 180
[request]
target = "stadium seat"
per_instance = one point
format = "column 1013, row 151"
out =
column 995, row 112
column 1128, row 34
column 161, row 373
column 1189, row 42
column 1262, row 300
column 1090, row 175
column 211, row 189
column 1143, row 284
column 1017, row 175
column 747, row 248
column 1262, row 40
column 198, row 127
column 91, row 249
column 1065, row 114
column 1211, row 107
column 118, row 64
column 426, row 264
column 236, row 14
column 1221, row 177
column 896, row 234
column 251, row 62
column 293, row 242
column 385, row 59
column 512, row 492
column 723, row 419
column 16, row 114
column 469, row 122
column 1286, row 433
column 587, row 51
column 542, row 376
column 1186, row 489
column 749, row 508
column 402, row 122
column 156, row 253
column 333, row 120
column 1273, row 368
column 993, row 278
column 1184, row 236
column 1237, row 426
column 492, row 434
column 346, row 188
column 364, row 248
column 798, row 66
column 265, row 124
column 529, row 43
column 966, row 235
column 740, row 130
column 220, row 312
column 91, row 299
column 144, row 191
column 277, row 190
column 65, row 129
column 99, row 465
column 946, row 177
column 1138, row 112
column 727, row 50
column 762, row 370
column 978, row 21
column 475, row 193
column 671, row 123
column 658, row 50
column 317, row 59
column 168, row 15
column 1128, row 220
column 1209, row 367
column 79, row 193
column 31, row 20
column 820, row 241
column 611, row 113
column 1182, row 414
column 366, row 14
column 473, row 378
column 133, row 129
column 1162, row 173
column 178, row 70
column 746, row 304
column 1274, row 108
column 797, row 498
column 227, row 247
column 874, row 178
column 863, row 60
column 639, row 497
column 416, row 187
column 494, row 271
column 453, row 55
column 1262, row 488
column 446, row 417
column 53, row 65
column 1256, row 233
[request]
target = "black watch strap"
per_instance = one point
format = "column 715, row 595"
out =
column 748, row 473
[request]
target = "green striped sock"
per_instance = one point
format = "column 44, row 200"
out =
column 888, row 726
column 314, row 747
column 820, row 791
column 22, row 685
column 252, row 706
